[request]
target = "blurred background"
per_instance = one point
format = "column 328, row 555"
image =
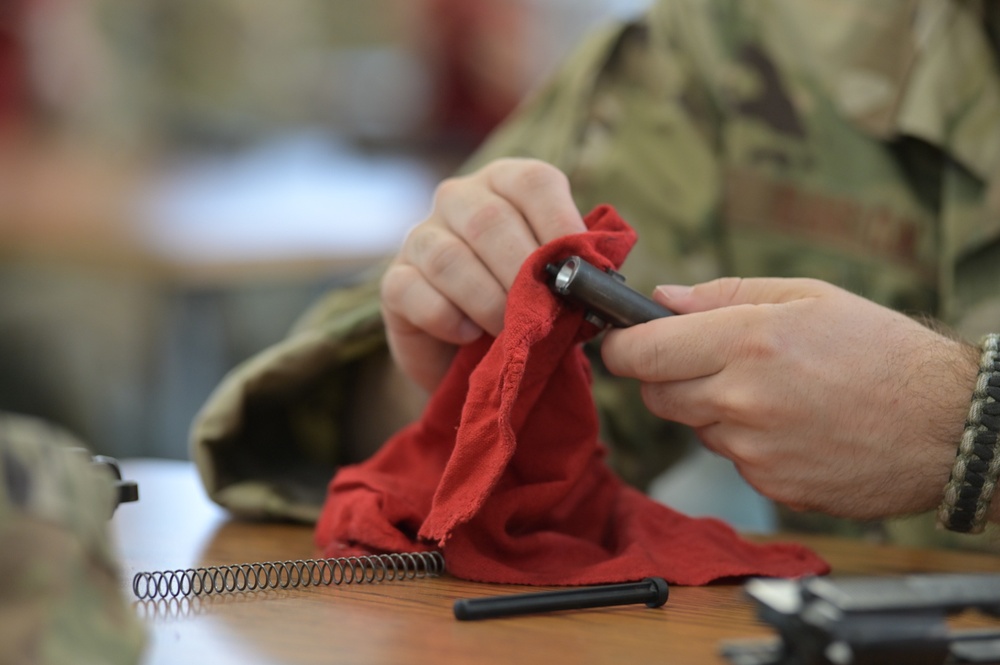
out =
column 180, row 179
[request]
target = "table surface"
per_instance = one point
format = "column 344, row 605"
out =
column 174, row 526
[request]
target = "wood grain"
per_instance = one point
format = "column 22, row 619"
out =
column 175, row 526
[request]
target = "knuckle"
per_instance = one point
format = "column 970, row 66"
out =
column 730, row 406
column 394, row 284
column 412, row 241
column 647, row 358
column 534, row 175
column 813, row 285
column 485, row 219
column 441, row 257
column 762, row 340
column 745, row 454
column 433, row 253
column 725, row 288
column 449, row 188
column 742, row 407
column 515, row 164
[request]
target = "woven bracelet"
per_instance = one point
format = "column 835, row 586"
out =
column 973, row 480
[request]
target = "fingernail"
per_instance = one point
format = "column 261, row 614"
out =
column 674, row 291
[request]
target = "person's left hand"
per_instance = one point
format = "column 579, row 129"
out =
column 823, row 400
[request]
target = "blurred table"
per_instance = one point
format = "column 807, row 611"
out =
column 174, row 526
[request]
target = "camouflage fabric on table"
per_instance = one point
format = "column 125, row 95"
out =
column 850, row 141
column 61, row 597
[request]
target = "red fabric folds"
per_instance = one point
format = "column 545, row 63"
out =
column 505, row 474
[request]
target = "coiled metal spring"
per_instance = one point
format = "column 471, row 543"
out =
column 266, row 575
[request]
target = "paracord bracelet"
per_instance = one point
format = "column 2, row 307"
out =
column 973, row 480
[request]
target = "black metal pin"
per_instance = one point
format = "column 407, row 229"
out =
column 653, row 591
column 604, row 294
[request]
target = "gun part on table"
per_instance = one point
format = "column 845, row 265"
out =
column 876, row 620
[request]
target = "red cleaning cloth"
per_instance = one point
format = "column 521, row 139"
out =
column 504, row 472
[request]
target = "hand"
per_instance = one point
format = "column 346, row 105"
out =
column 449, row 282
column 822, row 399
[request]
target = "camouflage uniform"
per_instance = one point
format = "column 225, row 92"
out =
column 854, row 142
column 61, row 598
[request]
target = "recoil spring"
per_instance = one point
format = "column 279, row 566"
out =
column 268, row 575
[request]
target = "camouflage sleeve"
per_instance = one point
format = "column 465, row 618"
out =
column 269, row 437
column 61, row 598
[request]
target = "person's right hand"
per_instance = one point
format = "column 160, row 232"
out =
column 450, row 280
column 822, row 399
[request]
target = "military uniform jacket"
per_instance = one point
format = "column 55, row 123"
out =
column 854, row 142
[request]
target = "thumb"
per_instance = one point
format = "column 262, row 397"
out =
column 729, row 291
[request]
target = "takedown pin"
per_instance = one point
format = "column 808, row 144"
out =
column 652, row 590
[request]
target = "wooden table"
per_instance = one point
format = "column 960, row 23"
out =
column 174, row 526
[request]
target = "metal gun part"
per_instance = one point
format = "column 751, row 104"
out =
column 871, row 621
column 603, row 294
